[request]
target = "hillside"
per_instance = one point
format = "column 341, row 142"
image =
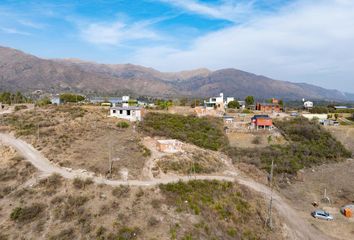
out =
column 23, row 72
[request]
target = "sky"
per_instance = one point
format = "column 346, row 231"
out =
column 309, row 41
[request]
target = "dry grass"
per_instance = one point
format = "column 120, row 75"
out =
column 103, row 212
column 81, row 138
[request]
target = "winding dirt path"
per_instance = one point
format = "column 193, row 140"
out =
column 298, row 228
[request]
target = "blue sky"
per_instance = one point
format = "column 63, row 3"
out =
column 295, row 40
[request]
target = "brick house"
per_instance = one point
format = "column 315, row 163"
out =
column 261, row 122
column 269, row 107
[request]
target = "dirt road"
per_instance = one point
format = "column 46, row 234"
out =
column 298, row 228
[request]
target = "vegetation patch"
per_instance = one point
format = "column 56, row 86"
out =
column 82, row 183
column 194, row 162
column 222, row 206
column 203, row 132
column 310, row 145
column 28, row 213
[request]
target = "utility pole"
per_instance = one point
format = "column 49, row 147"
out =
column 269, row 221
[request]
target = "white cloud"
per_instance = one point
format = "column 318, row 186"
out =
column 13, row 31
column 309, row 41
column 31, row 24
column 117, row 32
column 227, row 9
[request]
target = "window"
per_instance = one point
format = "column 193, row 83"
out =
column 120, row 112
column 113, row 111
column 128, row 112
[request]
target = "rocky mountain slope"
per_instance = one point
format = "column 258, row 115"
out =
column 23, row 72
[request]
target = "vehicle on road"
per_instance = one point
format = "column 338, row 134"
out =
column 320, row 214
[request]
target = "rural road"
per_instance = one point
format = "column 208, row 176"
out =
column 298, row 228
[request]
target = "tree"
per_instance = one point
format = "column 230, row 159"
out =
column 249, row 100
column 162, row 104
column 281, row 102
column 233, row 104
column 69, row 97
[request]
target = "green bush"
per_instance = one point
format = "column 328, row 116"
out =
column 203, row 132
column 309, row 145
column 27, row 214
column 233, row 104
column 220, row 204
column 71, row 98
column 123, row 124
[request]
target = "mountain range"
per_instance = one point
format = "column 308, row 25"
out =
column 23, row 72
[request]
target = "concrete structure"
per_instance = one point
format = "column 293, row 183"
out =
column 228, row 119
column 308, row 105
column 169, row 146
column 329, row 122
column 311, row 116
column 55, row 100
column 128, row 113
column 215, row 102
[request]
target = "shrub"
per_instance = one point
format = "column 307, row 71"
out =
column 203, row 132
column 20, row 107
column 123, row 124
column 233, row 104
column 257, row 140
column 82, row 183
column 71, row 98
column 220, row 204
column 27, row 214
column 121, row 191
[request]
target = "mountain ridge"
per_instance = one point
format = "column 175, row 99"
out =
column 24, row 72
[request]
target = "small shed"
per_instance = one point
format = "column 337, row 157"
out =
column 347, row 211
column 169, row 146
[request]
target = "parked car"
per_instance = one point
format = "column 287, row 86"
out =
column 320, row 214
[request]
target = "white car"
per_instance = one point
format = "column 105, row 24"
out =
column 320, row 214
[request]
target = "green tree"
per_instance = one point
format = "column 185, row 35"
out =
column 162, row 104
column 71, row 98
column 249, row 100
column 233, row 104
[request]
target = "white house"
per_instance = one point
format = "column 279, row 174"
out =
column 242, row 104
column 228, row 100
column 125, row 101
column 132, row 114
column 215, row 102
column 308, row 104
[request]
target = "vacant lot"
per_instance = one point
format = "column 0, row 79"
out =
column 337, row 180
column 309, row 145
column 344, row 134
column 254, row 139
column 55, row 208
column 203, row 132
column 80, row 138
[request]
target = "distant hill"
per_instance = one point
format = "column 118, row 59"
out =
column 23, row 72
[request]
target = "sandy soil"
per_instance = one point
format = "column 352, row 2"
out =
column 337, row 180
